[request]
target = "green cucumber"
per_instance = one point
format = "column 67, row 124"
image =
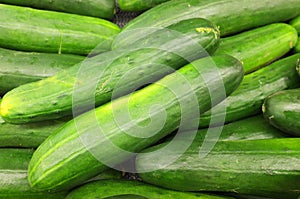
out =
column 13, row 176
column 232, row 16
column 105, row 189
column 28, row 29
column 260, row 46
column 18, row 68
column 296, row 24
column 138, row 5
column 107, row 136
column 94, row 8
column 282, row 110
column 111, row 74
column 297, row 47
column 27, row 135
column 269, row 167
column 255, row 87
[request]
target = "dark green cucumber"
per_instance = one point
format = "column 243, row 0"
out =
column 111, row 74
column 232, row 16
column 28, row 29
column 282, row 110
column 107, row 136
column 94, row 8
column 260, row 46
column 105, row 189
column 13, row 176
column 255, row 87
column 269, row 167
column 138, row 5
column 27, row 135
column 18, row 68
column 297, row 47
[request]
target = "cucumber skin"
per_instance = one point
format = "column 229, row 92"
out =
column 109, row 188
column 53, row 97
column 260, row 46
column 240, row 166
column 27, row 135
column 18, row 68
column 94, row 8
column 296, row 23
column 58, row 32
column 255, row 87
column 63, row 154
column 229, row 15
column 138, row 5
column 13, row 180
column 282, row 110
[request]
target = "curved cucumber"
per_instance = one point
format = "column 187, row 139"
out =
column 282, row 110
column 138, row 5
column 255, row 87
column 296, row 23
column 111, row 74
column 28, row 29
column 232, row 16
column 260, row 46
column 13, row 176
column 240, row 166
column 105, row 189
column 112, row 133
column 94, row 8
column 18, row 68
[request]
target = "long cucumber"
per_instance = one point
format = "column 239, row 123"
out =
column 29, row 29
column 111, row 74
column 232, row 16
column 111, row 133
column 138, row 5
column 247, row 100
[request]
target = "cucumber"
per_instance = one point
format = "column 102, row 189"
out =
column 269, row 167
column 255, row 87
column 27, row 135
column 282, row 110
column 260, row 46
column 95, row 8
column 232, row 16
column 13, row 176
column 18, row 68
column 297, row 47
column 296, row 24
column 28, row 29
column 138, row 5
column 111, row 74
column 105, row 189
column 107, row 136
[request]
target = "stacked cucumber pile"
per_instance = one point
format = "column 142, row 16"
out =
column 190, row 99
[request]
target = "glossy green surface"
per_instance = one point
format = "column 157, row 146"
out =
column 255, row 87
column 232, row 16
column 28, row 29
column 138, row 5
column 111, row 74
column 108, row 189
column 258, row 47
column 106, row 136
column 95, row 8
column 269, row 167
column 282, row 110
column 18, row 68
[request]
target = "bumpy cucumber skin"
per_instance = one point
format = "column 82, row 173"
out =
column 231, row 16
column 138, row 5
column 282, row 110
column 13, row 176
column 110, row 188
column 63, row 160
column 255, row 87
column 27, row 135
column 94, row 8
column 53, row 97
column 18, row 68
column 240, row 166
column 28, row 29
column 260, row 46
